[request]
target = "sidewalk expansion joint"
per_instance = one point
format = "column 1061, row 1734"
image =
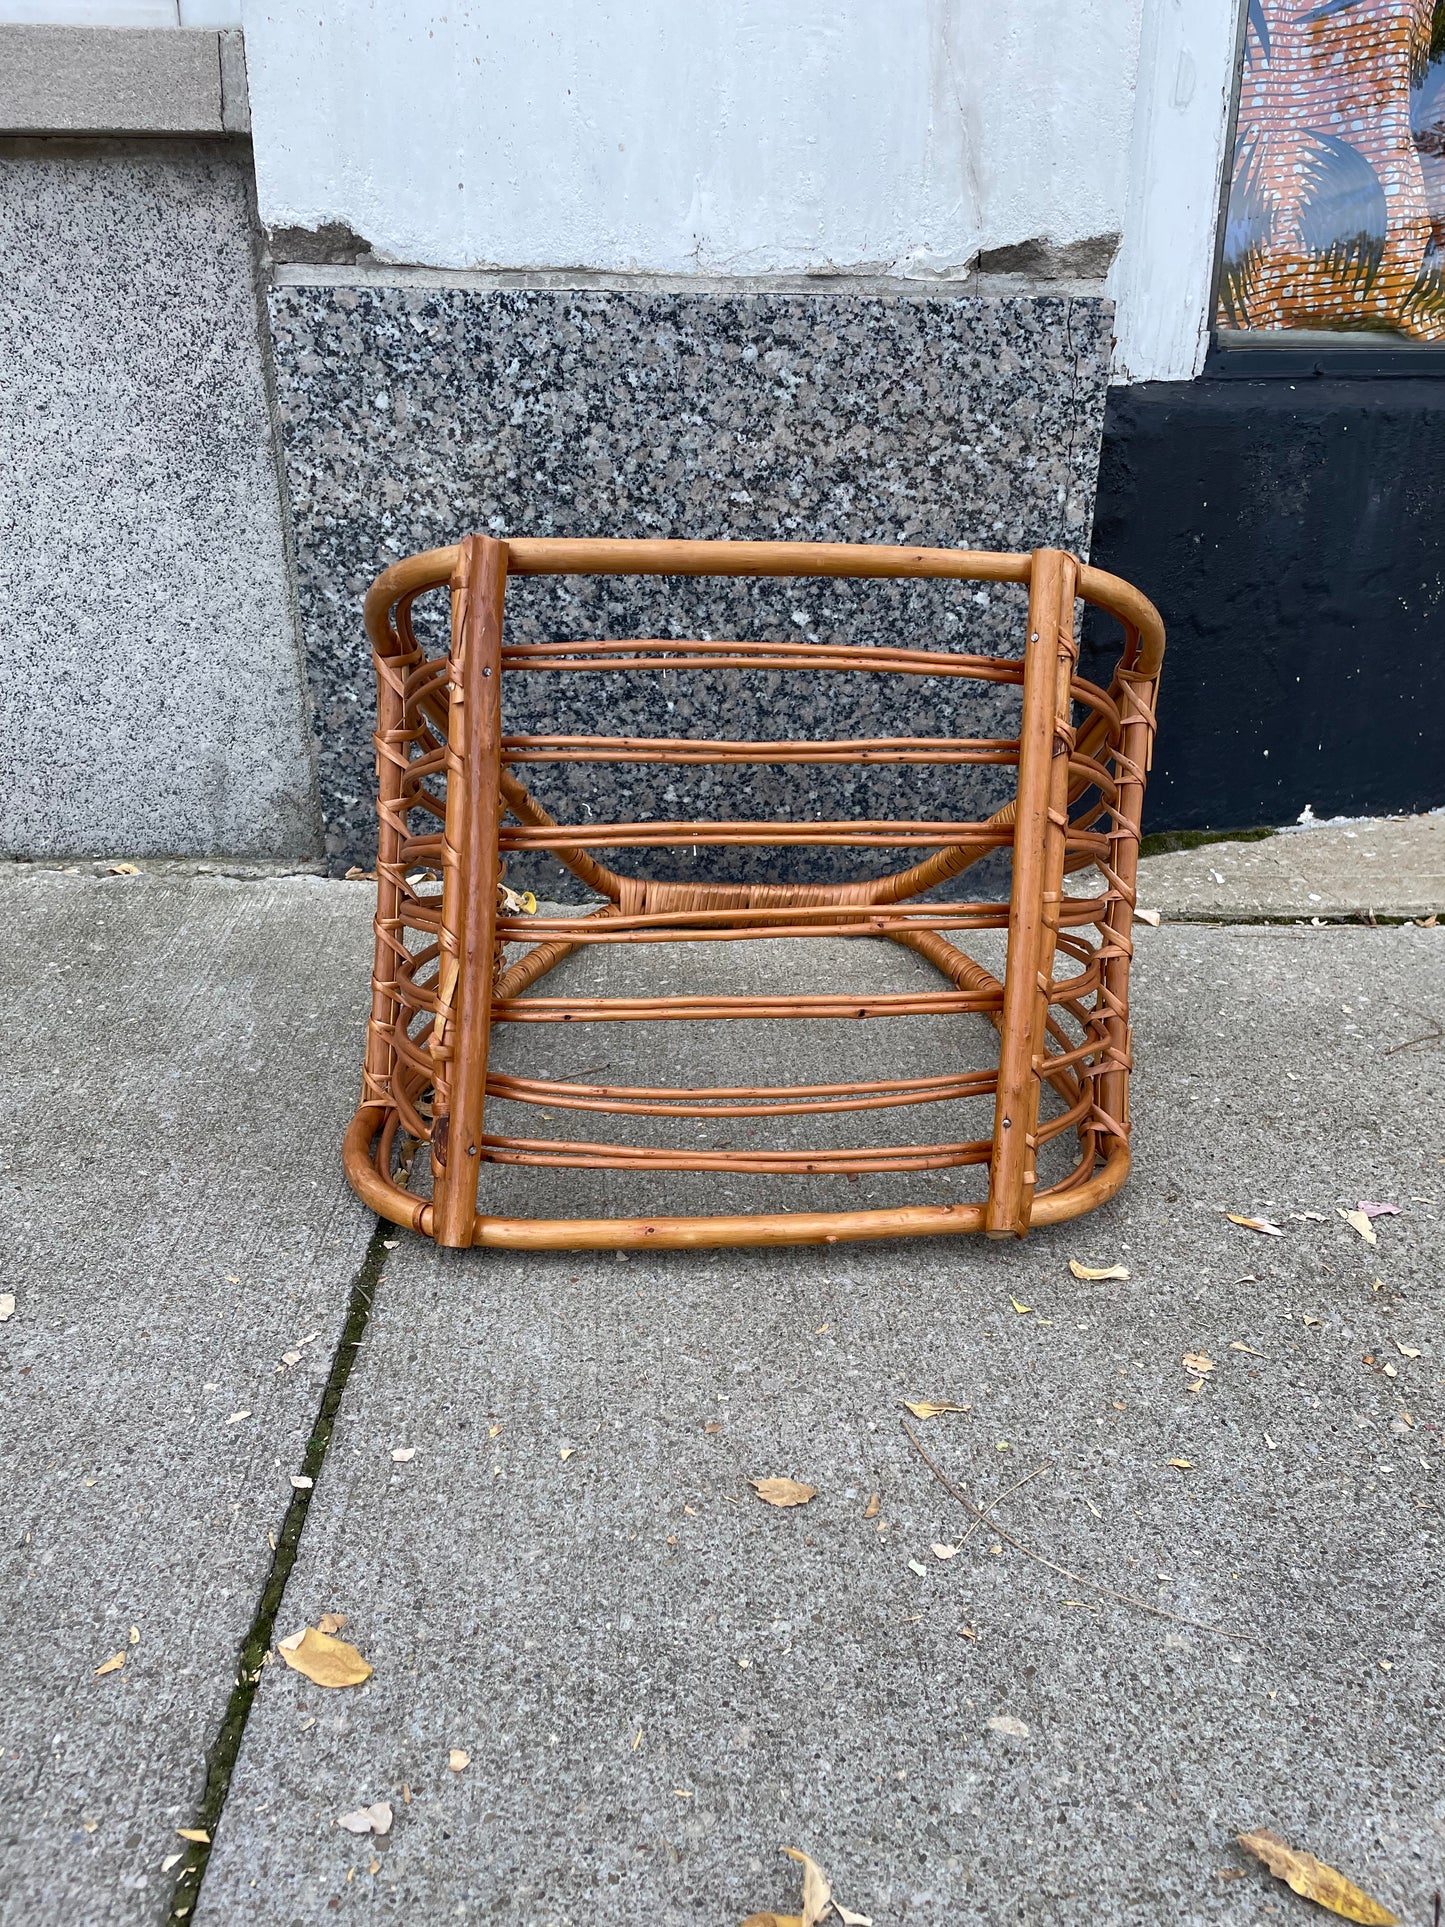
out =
column 221, row 1758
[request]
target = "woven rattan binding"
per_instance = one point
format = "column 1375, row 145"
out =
column 451, row 803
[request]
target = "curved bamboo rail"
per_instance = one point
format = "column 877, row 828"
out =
column 441, row 979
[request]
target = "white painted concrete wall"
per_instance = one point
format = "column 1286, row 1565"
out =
column 120, row 13
column 1163, row 278
column 719, row 137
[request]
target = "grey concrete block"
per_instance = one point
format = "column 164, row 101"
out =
column 111, row 80
column 415, row 415
column 179, row 1065
column 151, row 695
column 235, row 94
column 660, row 1682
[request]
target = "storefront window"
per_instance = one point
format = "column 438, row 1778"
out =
column 1337, row 197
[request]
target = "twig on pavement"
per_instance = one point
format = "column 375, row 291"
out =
column 1075, row 1578
column 1435, row 1036
column 983, row 1511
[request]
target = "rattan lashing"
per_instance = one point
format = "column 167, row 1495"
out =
column 451, row 804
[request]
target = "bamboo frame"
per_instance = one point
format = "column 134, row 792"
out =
column 441, row 980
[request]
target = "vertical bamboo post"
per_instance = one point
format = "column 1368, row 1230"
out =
column 1040, row 827
column 469, row 889
column 390, row 783
column 1136, row 745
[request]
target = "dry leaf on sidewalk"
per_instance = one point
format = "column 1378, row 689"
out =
column 1359, row 1222
column 7, row 1306
column 196, row 1834
column 1378, row 1210
column 773, row 1920
column 1197, row 1362
column 1262, row 1225
column 873, row 1507
column 1007, row 1723
column 458, row 1759
column 331, row 1622
column 817, row 1894
column 933, row 1407
column 323, row 1660
column 112, row 1665
column 1315, row 1880
column 372, row 1819
column 783, row 1492
column 1099, row 1274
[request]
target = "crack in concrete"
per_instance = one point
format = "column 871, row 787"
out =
column 224, row 1749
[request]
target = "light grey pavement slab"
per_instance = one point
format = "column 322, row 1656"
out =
column 660, row 1681
column 180, row 1060
column 1390, row 866
column 151, row 692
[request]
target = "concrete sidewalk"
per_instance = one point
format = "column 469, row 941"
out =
column 794, row 1680
column 1389, row 866
column 179, row 1062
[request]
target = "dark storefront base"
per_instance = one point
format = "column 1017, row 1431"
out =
column 1292, row 533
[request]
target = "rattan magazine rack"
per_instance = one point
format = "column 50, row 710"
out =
column 452, row 807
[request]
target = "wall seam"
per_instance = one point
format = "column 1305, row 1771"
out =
column 307, row 718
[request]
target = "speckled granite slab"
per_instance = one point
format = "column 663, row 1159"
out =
column 413, row 416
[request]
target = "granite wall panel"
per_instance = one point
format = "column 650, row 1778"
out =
column 152, row 699
column 414, row 415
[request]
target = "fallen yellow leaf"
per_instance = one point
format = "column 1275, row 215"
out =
column 817, row 1894
column 112, row 1665
column 1238, row 1345
column 1017, row 1306
column 1197, row 1362
column 1262, row 1225
column 330, row 1622
column 125, row 869
column 1406, row 1351
column 459, row 1759
column 1099, row 1274
column 372, row 1819
column 198, row 1834
column 933, row 1407
column 773, row 1920
column 783, row 1492
column 1359, row 1221
column 323, row 1660
column 873, row 1507
column 1315, row 1880
column 1184, row 1465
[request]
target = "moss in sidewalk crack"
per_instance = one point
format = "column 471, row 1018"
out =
column 221, row 1759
